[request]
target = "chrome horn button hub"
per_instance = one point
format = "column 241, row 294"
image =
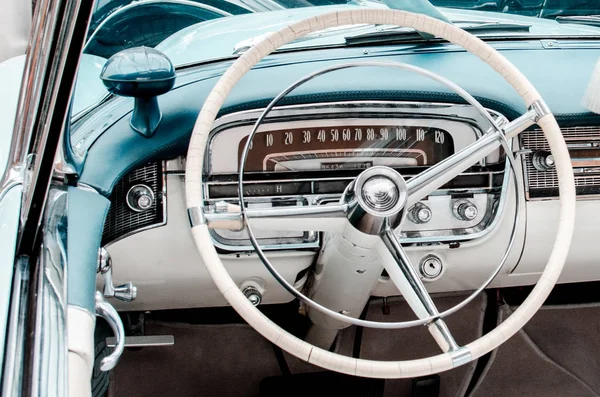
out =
column 379, row 195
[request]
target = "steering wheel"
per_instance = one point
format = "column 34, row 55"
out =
column 374, row 204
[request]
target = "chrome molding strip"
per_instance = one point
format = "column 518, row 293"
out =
column 15, row 341
column 50, row 364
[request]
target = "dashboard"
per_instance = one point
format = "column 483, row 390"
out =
column 306, row 153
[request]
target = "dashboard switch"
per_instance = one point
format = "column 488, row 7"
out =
column 465, row 210
column 420, row 213
column 140, row 198
column 253, row 288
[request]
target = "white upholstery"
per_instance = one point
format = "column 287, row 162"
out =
column 80, row 331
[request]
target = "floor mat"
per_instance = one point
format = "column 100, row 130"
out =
column 570, row 336
column 555, row 355
column 413, row 343
column 231, row 360
column 330, row 384
column 206, row 360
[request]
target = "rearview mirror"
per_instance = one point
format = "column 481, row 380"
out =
column 142, row 73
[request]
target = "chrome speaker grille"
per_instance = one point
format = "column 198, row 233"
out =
column 544, row 184
column 121, row 219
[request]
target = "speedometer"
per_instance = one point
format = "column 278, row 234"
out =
column 330, row 147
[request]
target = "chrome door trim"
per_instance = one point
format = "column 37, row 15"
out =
column 50, row 352
column 58, row 31
column 12, row 374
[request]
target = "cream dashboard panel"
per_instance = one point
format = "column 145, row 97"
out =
column 165, row 266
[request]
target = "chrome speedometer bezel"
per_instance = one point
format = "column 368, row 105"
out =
column 361, row 111
column 366, row 111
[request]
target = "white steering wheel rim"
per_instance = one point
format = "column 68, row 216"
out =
column 327, row 359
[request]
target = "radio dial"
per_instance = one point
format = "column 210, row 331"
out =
column 543, row 160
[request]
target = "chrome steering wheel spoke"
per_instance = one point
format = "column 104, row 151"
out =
column 433, row 178
column 443, row 172
column 404, row 276
column 324, row 218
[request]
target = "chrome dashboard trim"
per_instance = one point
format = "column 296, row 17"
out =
column 368, row 110
column 335, row 110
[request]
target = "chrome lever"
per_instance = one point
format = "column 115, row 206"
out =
column 126, row 292
column 108, row 312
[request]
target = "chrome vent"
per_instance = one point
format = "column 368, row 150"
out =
column 544, row 184
column 121, row 219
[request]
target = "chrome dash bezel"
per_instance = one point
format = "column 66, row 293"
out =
column 389, row 110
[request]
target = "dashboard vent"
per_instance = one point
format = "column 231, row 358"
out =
column 122, row 220
column 584, row 148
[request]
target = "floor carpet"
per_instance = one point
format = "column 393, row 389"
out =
column 231, row 360
column 557, row 354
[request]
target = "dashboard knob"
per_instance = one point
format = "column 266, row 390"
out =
column 253, row 295
column 542, row 160
column 465, row 210
column 420, row 213
column 253, row 289
column 140, row 198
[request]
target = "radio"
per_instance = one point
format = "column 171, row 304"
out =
column 584, row 148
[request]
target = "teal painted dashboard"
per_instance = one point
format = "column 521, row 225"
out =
column 559, row 73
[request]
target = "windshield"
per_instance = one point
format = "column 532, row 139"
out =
column 120, row 24
column 190, row 32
